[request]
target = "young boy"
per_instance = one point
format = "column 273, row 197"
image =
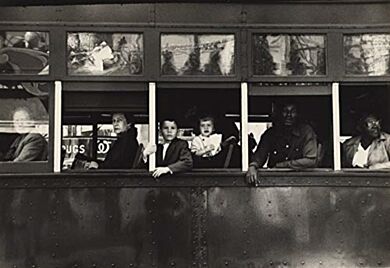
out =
column 173, row 156
column 208, row 143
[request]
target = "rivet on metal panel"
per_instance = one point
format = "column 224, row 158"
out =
column 387, row 183
column 30, row 218
column 379, row 263
column 284, row 263
column 110, row 217
column 349, row 182
column 320, row 262
column 94, row 265
column 53, row 254
column 302, row 263
column 271, row 263
column 131, row 265
column 173, row 263
column 244, row 252
column 226, row 263
column 112, row 264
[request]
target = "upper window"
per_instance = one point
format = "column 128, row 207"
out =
column 24, row 53
column 197, row 54
column 367, row 54
column 24, row 122
column 109, row 54
column 289, row 54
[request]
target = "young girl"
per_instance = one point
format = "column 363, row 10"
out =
column 208, row 143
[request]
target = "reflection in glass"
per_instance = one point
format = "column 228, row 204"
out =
column 197, row 54
column 286, row 55
column 24, row 53
column 367, row 54
column 24, row 124
column 113, row 54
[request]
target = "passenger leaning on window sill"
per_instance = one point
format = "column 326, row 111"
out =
column 173, row 156
column 288, row 144
column 370, row 149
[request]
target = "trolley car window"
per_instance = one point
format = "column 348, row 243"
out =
column 289, row 55
column 209, row 120
column 367, row 54
column 24, row 52
column 198, row 54
column 104, row 130
column 289, row 127
column 105, row 54
column 365, row 124
column 24, row 122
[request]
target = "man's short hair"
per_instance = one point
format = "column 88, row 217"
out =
column 162, row 121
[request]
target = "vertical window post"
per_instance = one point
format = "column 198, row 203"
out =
column 336, row 127
column 244, row 126
column 152, row 123
column 57, row 126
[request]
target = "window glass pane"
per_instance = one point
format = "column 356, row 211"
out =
column 197, row 54
column 76, row 139
column 24, row 122
column 292, row 132
column 367, row 54
column 288, row 55
column 111, row 54
column 365, row 124
column 209, row 121
column 24, row 52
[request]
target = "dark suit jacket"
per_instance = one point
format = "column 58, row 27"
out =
column 28, row 147
column 177, row 157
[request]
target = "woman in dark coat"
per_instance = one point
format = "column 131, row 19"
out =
column 123, row 151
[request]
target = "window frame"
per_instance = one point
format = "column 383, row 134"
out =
column 37, row 166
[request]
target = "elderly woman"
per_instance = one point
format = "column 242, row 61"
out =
column 123, row 151
column 370, row 149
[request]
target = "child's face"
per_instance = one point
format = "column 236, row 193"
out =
column 169, row 130
column 206, row 127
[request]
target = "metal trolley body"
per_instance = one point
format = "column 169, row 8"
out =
column 315, row 218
